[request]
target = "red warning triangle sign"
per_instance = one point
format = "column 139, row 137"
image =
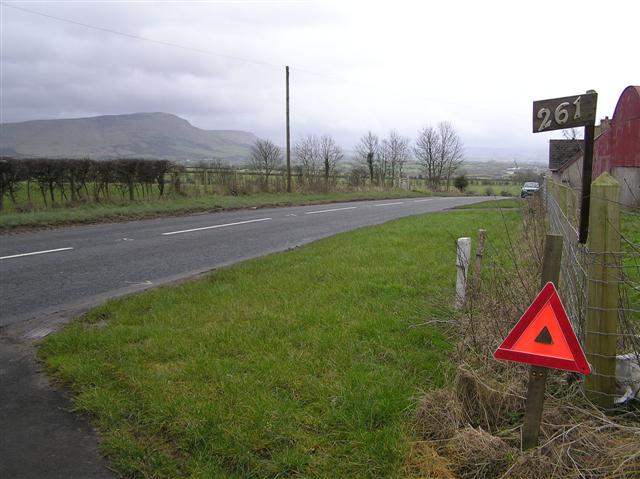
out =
column 544, row 336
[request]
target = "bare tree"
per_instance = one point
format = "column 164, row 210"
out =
column 265, row 157
column 451, row 152
column 358, row 175
column 11, row 175
column 331, row 155
column 367, row 151
column 396, row 153
column 382, row 162
column 439, row 152
column 572, row 134
column 309, row 159
column 426, row 150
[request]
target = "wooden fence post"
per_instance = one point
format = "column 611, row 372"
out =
column 603, row 276
column 463, row 254
column 482, row 236
column 537, row 374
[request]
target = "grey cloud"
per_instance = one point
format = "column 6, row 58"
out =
column 380, row 65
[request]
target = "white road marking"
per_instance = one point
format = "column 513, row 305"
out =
column 420, row 201
column 35, row 252
column 215, row 226
column 391, row 204
column 328, row 211
column 39, row 333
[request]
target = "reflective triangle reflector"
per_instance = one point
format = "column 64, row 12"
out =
column 544, row 336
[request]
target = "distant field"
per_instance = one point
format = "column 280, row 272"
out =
column 498, row 188
column 630, row 246
column 306, row 363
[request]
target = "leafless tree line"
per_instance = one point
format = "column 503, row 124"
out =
column 383, row 160
column 318, row 161
column 315, row 160
column 437, row 150
column 378, row 161
column 76, row 180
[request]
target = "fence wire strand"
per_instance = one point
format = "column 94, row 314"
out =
column 623, row 271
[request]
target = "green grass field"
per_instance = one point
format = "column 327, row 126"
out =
column 91, row 213
column 630, row 247
column 506, row 189
column 306, row 363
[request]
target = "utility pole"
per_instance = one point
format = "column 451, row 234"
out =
column 288, row 138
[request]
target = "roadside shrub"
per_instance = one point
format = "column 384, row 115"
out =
column 489, row 191
column 461, row 182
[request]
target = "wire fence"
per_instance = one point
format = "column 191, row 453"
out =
column 600, row 287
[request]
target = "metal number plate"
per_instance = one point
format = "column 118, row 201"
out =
column 565, row 112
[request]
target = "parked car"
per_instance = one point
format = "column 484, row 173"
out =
column 529, row 188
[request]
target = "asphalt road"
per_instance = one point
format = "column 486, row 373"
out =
column 63, row 271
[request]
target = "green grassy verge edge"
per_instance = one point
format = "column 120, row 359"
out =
column 490, row 204
column 94, row 213
column 306, row 363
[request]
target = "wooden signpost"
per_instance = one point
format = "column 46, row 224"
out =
column 570, row 112
column 544, row 339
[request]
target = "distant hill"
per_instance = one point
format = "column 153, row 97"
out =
column 140, row 135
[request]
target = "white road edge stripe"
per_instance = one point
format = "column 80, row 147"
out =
column 390, row 204
column 420, row 201
column 35, row 252
column 328, row 211
column 215, row 226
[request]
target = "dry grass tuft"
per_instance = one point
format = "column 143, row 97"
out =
column 486, row 403
column 424, row 462
column 475, row 453
column 531, row 465
column 439, row 415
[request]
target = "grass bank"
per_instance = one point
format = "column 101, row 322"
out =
column 306, row 363
column 506, row 189
column 490, row 204
column 92, row 213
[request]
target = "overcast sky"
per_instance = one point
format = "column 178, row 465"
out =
column 355, row 66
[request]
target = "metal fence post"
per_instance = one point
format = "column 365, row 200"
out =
column 603, row 279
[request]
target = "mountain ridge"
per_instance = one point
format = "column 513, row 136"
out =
column 139, row 135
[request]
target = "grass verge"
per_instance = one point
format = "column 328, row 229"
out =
column 92, row 213
column 306, row 363
column 490, row 204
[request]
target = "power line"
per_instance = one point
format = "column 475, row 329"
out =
column 192, row 49
column 220, row 55
column 137, row 37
